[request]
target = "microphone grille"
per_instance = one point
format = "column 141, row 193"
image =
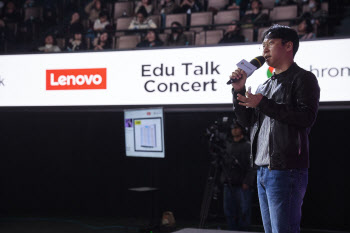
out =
column 258, row 61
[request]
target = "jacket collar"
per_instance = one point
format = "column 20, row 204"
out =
column 286, row 73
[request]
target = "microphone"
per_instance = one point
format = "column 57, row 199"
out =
column 250, row 67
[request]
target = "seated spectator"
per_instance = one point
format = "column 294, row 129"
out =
column 76, row 43
column 232, row 34
column 11, row 14
column 255, row 19
column 189, row 6
column 74, row 25
column 177, row 38
column 306, row 30
column 240, row 5
column 50, row 45
column 147, row 4
column 102, row 42
column 317, row 16
column 101, row 23
column 168, row 6
column 151, row 40
column 141, row 21
column 93, row 9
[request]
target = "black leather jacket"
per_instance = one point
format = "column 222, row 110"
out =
column 292, row 109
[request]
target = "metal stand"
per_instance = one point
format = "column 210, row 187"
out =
column 216, row 168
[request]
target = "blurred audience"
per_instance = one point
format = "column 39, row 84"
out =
column 93, row 9
column 102, row 42
column 151, row 40
column 49, row 45
column 177, row 37
column 189, row 6
column 141, row 21
column 11, row 14
column 317, row 16
column 240, row 5
column 101, row 23
column 76, row 43
column 147, row 4
column 306, row 30
column 232, row 34
column 168, row 6
column 63, row 19
column 257, row 18
column 74, row 25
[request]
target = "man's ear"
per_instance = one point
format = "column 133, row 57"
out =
column 289, row 46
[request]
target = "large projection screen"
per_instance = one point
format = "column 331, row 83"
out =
column 158, row 77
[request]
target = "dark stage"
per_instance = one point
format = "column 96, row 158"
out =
column 55, row 165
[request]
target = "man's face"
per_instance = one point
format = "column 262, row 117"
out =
column 274, row 51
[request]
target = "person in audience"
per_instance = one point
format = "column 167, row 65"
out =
column 168, row 6
column 256, row 18
column 50, row 45
column 93, row 9
column 240, row 5
column 141, row 21
column 151, row 40
column 232, row 34
column 74, row 25
column 317, row 16
column 177, row 37
column 11, row 14
column 76, row 43
column 147, row 4
column 190, row 6
column 101, row 23
column 102, row 42
column 306, row 30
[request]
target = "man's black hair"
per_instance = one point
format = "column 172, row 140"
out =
column 285, row 33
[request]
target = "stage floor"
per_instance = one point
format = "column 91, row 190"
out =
column 115, row 225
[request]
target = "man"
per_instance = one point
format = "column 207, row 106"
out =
column 238, row 195
column 280, row 115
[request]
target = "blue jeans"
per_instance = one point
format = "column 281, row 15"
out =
column 237, row 207
column 281, row 194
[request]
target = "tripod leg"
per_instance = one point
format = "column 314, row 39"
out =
column 208, row 194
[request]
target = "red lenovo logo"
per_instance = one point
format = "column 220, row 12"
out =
column 76, row 79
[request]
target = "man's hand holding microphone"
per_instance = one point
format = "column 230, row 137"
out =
column 238, row 80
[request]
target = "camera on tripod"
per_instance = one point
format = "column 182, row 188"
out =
column 218, row 133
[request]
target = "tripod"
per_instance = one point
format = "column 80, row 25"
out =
column 216, row 167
